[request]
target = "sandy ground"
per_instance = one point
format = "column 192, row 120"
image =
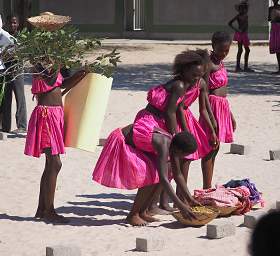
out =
column 97, row 213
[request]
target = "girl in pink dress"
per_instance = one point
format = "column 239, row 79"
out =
column 187, row 121
column 217, row 86
column 45, row 135
column 137, row 156
column 274, row 39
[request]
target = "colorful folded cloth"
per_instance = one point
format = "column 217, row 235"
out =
column 244, row 202
column 219, row 196
column 255, row 195
column 225, row 197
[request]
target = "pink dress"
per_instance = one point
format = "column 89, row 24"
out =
column 126, row 167
column 203, row 147
column 242, row 37
column 274, row 40
column 123, row 166
column 145, row 122
column 220, row 107
column 46, row 124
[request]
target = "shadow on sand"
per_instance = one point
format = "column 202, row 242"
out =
column 85, row 213
column 143, row 77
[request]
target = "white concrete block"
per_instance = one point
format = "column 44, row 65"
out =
column 251, row 218
column 102, row 142
column 149, row 244
column 61, row 250
column 239, row 149
column 219, row 229
column 274, row 154
column 3, row 136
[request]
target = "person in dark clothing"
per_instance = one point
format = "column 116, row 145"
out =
column 14, row 85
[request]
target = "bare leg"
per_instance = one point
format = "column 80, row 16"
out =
column 138, row 215
column 246, row 60
column 207, row 166
column 40, row 210
column 53, row 166
column 246, row 57
column 154, row 209
column 144, row 214
column 164, row 203
column 238, row 57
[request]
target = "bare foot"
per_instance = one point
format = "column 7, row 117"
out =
column 145, row 216
column 136, row 220
column 39, row 214
column 249, row 70
column 238, row 69
column 168, row 208
column 157, row 211
column 54, row 218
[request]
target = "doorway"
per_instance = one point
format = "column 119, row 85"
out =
column 134, row 15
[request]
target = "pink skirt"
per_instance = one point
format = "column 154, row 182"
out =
column 123, row 166
column 143, row 128
column 45, row 130
column 203, row 146
column 242, row 37
column 221, row 110
column 274, row 41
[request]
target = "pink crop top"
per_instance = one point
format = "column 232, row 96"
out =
column 218, row 78
column 158, row 97
column 40, row 86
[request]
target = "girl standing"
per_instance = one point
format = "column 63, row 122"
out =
column 45, row 134
column 217, row 87
column 274, row 40
column 188, row 122
column 241, row 35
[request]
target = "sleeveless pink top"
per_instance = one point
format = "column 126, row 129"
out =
column 158, row 97
column 218, row 78
column 192, row 94
column 40, row 86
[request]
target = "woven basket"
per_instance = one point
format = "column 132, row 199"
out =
column 49, row 22
column 225, row 211
column 202, row 217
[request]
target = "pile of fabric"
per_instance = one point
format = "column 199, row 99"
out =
column 255, row 196
column 241, row 194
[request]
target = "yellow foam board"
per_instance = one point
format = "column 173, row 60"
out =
column 84, row 111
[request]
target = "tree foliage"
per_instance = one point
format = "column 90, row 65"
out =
column 57, row 49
